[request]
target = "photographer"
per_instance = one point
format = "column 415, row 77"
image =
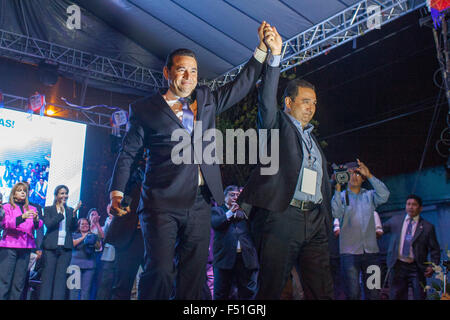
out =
column 235, row 255
column 83, row 255
column 354, row 207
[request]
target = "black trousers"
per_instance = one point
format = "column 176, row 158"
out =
column 127, row 262
column 13, row 272
column 176, row 251
column 54, row 273
column 292, row 238
column 107, row 274
column 97, row 277
column 404, row 275
column 246, row 281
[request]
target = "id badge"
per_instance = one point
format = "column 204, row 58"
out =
column 309, row 181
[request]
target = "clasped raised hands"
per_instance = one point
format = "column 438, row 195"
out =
column 269, row 38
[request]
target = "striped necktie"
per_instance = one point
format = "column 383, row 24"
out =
column 408, row 239
column 188, row 115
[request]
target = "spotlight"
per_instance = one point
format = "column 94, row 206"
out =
column 50, row 112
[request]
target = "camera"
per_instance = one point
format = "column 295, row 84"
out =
column 341, row 172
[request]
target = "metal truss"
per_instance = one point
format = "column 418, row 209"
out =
column 341, row 28
column 20, row 47
column 94, row 118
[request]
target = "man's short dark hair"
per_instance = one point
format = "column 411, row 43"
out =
column 230, row 188
column 415, row 197
column 179, row 52
column 292, row 88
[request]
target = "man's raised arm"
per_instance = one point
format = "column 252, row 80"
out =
column 234, row 91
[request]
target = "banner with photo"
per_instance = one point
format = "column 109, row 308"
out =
column 43, row 151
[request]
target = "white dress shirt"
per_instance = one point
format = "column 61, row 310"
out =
column 62, row 228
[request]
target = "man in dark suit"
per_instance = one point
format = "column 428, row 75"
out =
column 235, row 255
column 291, row 216
column 175, row 212
column 412, row 239
column 124, row 233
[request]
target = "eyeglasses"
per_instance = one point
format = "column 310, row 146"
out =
column 308, row 102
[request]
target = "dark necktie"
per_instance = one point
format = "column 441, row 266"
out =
column 408, row 239
column 188, row 115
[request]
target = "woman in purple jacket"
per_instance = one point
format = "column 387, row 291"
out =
column 19, row 223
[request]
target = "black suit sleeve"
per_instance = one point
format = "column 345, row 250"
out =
column 73, row 225
column 233, row 92
column 73, row 219
column 433, row 247
column 267, row 99
column 132, row 145
column 52, row 218
column 219, row 219
column 40, row 231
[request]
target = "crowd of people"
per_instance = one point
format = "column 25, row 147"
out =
column 35, row 265
column 36, row 175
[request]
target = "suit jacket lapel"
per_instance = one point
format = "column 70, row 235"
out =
column 419, row 230
column 200, row 100
column 299, row 137
column 67, row 216
column 200, row 97
column 159, row 104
